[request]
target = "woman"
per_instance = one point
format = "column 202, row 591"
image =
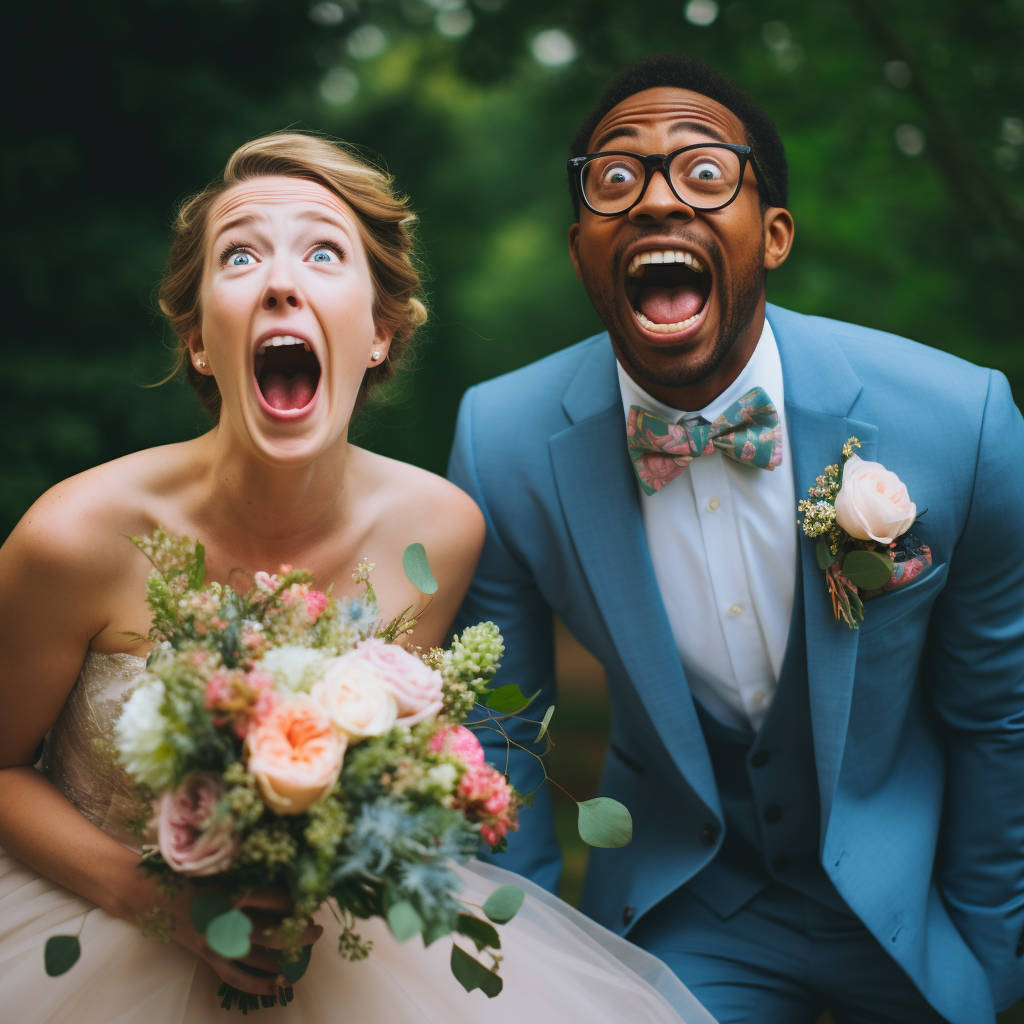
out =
column 292, row 291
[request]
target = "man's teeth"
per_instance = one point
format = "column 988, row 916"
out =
column 665, row 328
column 282, row 339
column 641, row 259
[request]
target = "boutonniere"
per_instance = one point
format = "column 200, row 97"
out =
column 860, row 513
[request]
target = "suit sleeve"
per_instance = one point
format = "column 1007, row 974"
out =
column 504, row 591
column 977, row 640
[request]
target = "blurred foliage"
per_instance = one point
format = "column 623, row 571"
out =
column 903, row 126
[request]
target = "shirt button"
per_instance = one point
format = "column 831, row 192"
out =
column 735, row 609
column 627, row 913
column 714, row 505
column 708, row 834
column 758, row 697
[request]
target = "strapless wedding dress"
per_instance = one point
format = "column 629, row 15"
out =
column 558, row 965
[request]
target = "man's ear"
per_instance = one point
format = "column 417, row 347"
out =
column 574, row 243
column 778, row 236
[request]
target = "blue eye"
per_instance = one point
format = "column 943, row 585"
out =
column 240, row 259
column 323, row 256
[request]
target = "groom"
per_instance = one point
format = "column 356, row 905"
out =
column 823, row 816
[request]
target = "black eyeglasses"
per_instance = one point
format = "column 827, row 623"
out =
column 707, row 176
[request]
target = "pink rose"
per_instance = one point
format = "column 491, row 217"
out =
column 415, row 686
column 460, row 742
column 295, row 753
column 353, row 693
column 242, row 698
column 484, row 795
column 872, row 503
column 193, row 838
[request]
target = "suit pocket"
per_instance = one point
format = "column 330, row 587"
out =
column 886, row 609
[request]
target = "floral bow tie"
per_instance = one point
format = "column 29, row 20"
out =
column 748, row 431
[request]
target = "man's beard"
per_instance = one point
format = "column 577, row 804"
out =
column 736, row 317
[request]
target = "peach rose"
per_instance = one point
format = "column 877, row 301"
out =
column 355, row 697
column 295, row 753
column 191, row 837
column 873, row 503
column 415, row 686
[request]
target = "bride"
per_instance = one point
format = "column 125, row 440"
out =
column 293, row 293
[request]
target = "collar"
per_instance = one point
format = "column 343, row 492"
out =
column 763, row 369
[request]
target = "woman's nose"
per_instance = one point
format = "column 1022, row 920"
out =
column 281, row 290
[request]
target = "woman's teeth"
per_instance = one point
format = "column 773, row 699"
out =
column 650, row 325
column 641, row 259
column 282, row 339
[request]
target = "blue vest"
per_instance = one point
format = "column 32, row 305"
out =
column 768, row 786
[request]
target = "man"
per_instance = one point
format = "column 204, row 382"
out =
column 823, row 816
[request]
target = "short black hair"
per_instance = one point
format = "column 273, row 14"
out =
column 679, row 71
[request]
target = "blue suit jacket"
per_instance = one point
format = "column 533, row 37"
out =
column 917, row 717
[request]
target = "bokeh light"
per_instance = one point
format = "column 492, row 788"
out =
column 339, row 86
column 366, row 42
column 326, row 14
column 454, row 24
column 909, row 139
column 897, row 73
column 701, row 12
column 553, row 48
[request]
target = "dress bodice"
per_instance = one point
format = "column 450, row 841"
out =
column 80, row 757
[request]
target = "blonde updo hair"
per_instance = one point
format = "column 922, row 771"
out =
column 385, row 224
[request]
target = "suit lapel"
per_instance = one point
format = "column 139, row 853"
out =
column 598, row 494
column 821, row 389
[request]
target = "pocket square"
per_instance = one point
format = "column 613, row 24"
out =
column 912, row 558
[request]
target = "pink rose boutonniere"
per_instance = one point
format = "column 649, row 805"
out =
column 860, row 515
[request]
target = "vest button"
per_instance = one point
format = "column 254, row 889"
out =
column 781, row 864
column 627, row 913
column 760, row 759
column 708, row 834
column 772, row 814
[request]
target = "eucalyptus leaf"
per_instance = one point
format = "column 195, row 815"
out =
column 295, row 969
column 823, row 551
column 507, row 700
column 434, row 931
column 205, row 908
column 482, row 933
column 545, row 722
column 867, row 570
column 417, row 568
column 471, row 974
column 404, row 921
column 605, row 822
column 503, row 904
column 526, row 798
column 228, row 934
column 61, row 954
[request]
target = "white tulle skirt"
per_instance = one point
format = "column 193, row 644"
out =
column 558, row 966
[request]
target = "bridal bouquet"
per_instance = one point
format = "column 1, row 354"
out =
column 281, row 736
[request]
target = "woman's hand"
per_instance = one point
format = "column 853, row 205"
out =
column 265, row 908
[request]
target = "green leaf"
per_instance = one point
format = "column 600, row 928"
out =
column 417, row 568
column 471, row 974
column 868, row 570
column 295, row 969
column 824, row 552
column 403, row 920
column 605, row 822
column 434, row 931
column 503, row 904
column 544, row 723
column 526, row 799
column 199, row 567
column 228, row 934
column 205, row 908
column 507, row 700
column 61, row 954
column 482, row 933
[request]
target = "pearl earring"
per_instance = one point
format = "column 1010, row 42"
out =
column 376, row 354
column 201, row 363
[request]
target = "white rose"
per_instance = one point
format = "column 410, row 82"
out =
column 293, row 668
column 142, row 736
column 873, row 503
column 355, row 697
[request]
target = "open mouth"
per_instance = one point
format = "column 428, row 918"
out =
column 287, row 374
column 667, row 289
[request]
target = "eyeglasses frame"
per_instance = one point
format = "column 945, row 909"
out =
column 662, row 162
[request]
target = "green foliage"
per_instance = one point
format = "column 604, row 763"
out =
column 503, row 904
column 205, row 908
column 61, row 954
column 507, row 700
column 472, row 974
column 605, row 822
column 403, row 920
column 417, row 568
column 484, row 935
column 868, row 570
column 228, row 934
column 293, row 970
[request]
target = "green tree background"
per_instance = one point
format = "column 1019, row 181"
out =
column 903, row 124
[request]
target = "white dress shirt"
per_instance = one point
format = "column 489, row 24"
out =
column 723, row 540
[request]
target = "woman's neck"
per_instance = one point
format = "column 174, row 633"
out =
column 271, row 512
